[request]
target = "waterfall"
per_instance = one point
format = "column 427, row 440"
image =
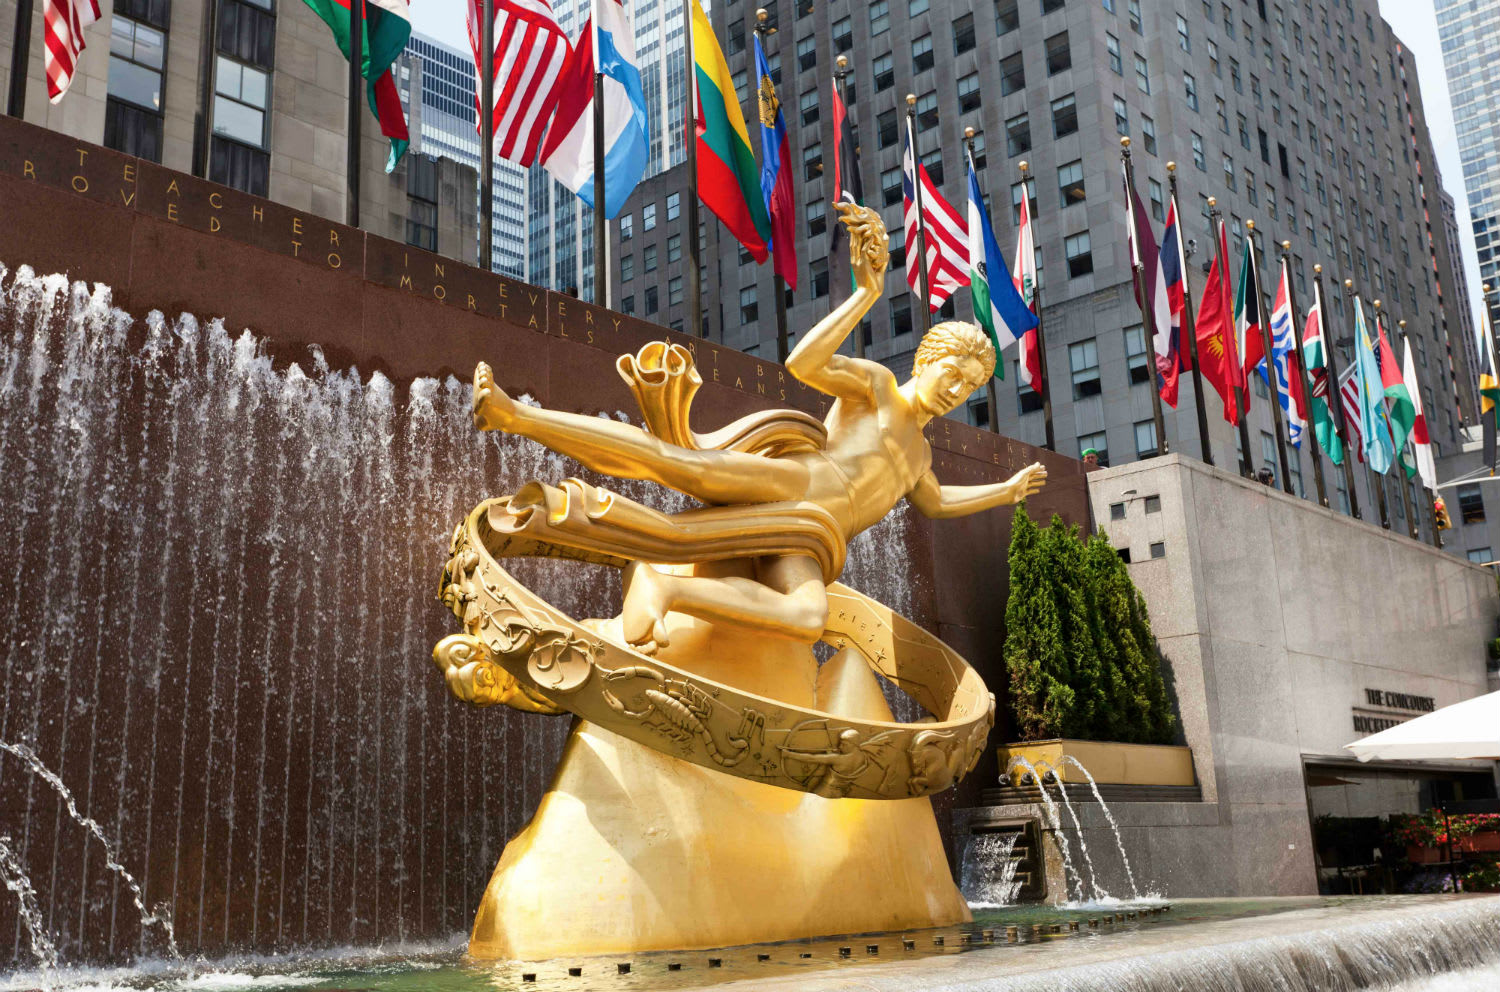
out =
column 218, row 599
column 1071, row 876
column 988, row 876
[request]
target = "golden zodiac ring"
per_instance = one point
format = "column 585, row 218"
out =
column 519, row 650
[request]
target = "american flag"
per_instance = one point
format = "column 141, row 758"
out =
column 66, row 20
column 947, row 235
column 530, row 49
column 1349, row 396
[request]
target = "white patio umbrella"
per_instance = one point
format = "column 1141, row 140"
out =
column 1470, row 729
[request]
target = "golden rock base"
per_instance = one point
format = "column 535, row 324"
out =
column 632, row 850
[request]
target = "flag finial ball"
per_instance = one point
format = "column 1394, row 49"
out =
column 1249, row 225
column 1171, row 166
column 911, row 99
column 1212, row 202
column 1317, row 270
column 1485, row 287
column 968, row 132
column 1125, row 141
column 1377, row 304
column 1023, row 165
column 1349, row 284
column 842, row 61
column 1401, row 323
column 761, row 14
column 1286, row 246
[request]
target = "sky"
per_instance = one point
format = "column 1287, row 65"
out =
column 1414, row 21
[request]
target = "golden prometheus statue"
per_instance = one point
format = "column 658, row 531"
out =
column 720, row 787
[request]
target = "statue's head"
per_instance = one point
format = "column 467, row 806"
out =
column 953, row 360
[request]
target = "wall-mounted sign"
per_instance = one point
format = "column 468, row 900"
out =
column 1406, row 705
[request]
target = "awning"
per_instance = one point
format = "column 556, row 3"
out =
column 1470, row 729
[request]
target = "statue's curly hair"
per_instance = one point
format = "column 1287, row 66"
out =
column 954, row 337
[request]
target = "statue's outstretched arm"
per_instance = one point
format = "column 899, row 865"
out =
column 816, row 360
column 940, row 502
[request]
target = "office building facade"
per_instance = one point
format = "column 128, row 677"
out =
column 1469, row 30
column 1305, row 117
column 279, row 113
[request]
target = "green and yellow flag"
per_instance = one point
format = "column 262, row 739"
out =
column 728, row 180
column 1489, row 388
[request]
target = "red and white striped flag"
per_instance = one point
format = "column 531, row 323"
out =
column 947, row 235
column 1349, row 396
column 530, row 49
column 66, row 20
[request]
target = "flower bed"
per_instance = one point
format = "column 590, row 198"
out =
column 1427, row 838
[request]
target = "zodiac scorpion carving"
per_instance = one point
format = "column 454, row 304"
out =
column 782, row 494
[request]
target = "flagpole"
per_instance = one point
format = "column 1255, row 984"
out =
column 1437, row 535
column 1400, row 465
column 203, row 119
column 356, row 94
column 486, row 133
column 1379, row 491
column 1336, row 395
column 694, row 321
column 990, row 385
column 1215, row 218
column 782, row 343
column 1411, row 443
column 20, row 60
column 1148, row 315
column 924, row 293
column 1291, row 302
column 1266, row 343
column 601, row 224
column 840, row 77
column 1041, row 338
column 1191, row 328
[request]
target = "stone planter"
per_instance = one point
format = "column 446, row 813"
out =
column 1110, row 763
column 1481, row 843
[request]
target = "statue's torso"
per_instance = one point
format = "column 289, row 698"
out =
column 875, row 454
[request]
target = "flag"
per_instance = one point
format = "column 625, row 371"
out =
column 1315, row 354
column 567, row 152
column 944, row 234
column 728, row 183
column 1145, row 254
column 1420, row 440
column 776, row 173
column 997, row 306
column 1171, row 363
column 387, row 26
column 1489, row 388
column 530, row 54
column 1247, row 321
column 1380, row 453
column 64, row 23
column 1284, row 360
column 1353, row 413
column 1029, row 353
column 847, row 187
column 1402, row 411
column 1217, row 357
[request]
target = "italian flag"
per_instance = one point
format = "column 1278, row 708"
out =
column 387, row 25
column 728, row 180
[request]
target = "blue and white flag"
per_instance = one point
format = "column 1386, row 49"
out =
column 1380, row 450
column 569, row 150
column 997, row 304
column 1284, row 358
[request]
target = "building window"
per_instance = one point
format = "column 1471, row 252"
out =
column 819, row 272
column 132, row 130
column 1117, row 511
column 1018, row 135
column 1268, row 450
column 1158, row 549
column 247, row 31
column 1148, row 134
column 1135, row 355
column 933, row 163
column 1080, row 258
column 1048, row 6
column 1153, row 503
column 807, row 53
column 890, row 187
column 816, row 212
column 1083, row 362
column 1116, row 63
column 963, row 34
column 648, row 217
column 1142, row 74
column 627, row 227
column 968, row 92
column 648, row 259
column 1122, row 117
column 627, row 268
column 674, row 248
column 1190, row 90
column 651, row 301
column 1158, row 200
column 921, row 54
column 240, row 102
column 1471, row 504
column 674, row 205
column 1059, row 55
column 1198, row 158
column 422, row 194
column 1007, row 16
column 749, row 308
column 1182, row 34
column 627, row 304
column 1029, row 185
column 1133, row 10
column 1096, row 441
column 674, row 290
column 901, row 314
column 1012, row 75
column 1064, row 116
column 887, row 129
column 239, row 166
column 843, row 35
column 136, row 55
column 1070, row 183
column 1481, row 556
column 980, row 158
column 885, row 72
column 880, row 17
column 1145, row 439
column 927, row 116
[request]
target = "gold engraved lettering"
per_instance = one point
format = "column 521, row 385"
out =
column 437, row 270
column 296, row 252
column 128, row 172
column 439, row 292
column 257, row 213
column 471, row 302
column 82, row 154
column 406, row 281
column 172, row 212
column 334, row 261
column 333, row 237
column 80, row 184
column 215, row 200
column 127, row 199
column 28, row 169
column 297, row 226
column 213, row 224
column 172, row 188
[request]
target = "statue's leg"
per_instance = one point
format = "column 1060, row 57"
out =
column 789, row 598
column 627, row 451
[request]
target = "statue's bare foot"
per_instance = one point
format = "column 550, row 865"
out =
column 493, row 410
column 644, row 613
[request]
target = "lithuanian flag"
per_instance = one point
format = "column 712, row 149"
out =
column 728, row 180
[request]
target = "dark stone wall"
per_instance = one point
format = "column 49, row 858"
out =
column 362, row 853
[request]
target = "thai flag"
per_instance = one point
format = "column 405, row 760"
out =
column 569, row 149
column 1171, row 288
